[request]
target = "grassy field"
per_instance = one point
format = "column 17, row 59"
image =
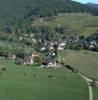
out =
column 95, row 93
column 85, row 24
column 30, row 83
column 85, row 61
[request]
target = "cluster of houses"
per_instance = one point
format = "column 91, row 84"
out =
column 30, row 37
column 55, row 45
column 61, row 46
column 27, row 60
column 48, row 61
column 73, row 39
column 51, row 49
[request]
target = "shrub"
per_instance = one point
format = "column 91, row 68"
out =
column 50, row 76
column 25, row 74
column 3, row 69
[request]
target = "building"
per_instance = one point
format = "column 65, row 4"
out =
column 12, row 56
column 92, row 44
column 28, row 60
column 51, row 59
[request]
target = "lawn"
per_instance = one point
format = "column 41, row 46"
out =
column 19, row 82
column 85, row 61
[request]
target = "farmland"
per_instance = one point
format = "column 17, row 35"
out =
column 85, row 61
column 28, row 83
column 84, row 24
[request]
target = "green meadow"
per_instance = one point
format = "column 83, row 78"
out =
column 19, row 82
column 95, row 93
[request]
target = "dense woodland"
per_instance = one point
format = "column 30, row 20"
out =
column 15, row 10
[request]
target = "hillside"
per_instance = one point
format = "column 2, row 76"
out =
column 92, row 5
column 12, row 11
column 57, row 27
column 17, row 8
column 38, row 17
column 82, row 23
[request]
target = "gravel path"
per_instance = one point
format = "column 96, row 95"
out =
column 89, row 86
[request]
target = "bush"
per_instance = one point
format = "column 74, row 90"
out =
column 25, row 74
column 50, row 76
column 3, row 69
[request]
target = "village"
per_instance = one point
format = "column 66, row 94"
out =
column 48, row 51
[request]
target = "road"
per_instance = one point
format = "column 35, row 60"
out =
column 89, row 86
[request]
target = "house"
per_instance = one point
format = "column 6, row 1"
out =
column 77, row 39
column 52, row 63
column 43, row 48
column 28, row 60
column 51, row 48
column 60, row 48
column 12, row 56
column 51, row 59
column 34, row 55
column 32, row 35
column 92, row 44
column 62, row 45
column 20, row 38
column 34, row 40
column 25, row 35
column 51, row 43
